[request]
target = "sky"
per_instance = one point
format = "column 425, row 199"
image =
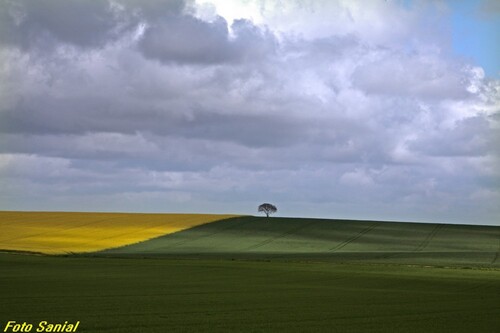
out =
column 383, row 110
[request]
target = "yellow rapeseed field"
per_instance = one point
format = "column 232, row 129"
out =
column 66, row 232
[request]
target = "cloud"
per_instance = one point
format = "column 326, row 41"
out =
column 187, row 39
column 489, row 9
column 45, row 23
column 469, row 137
column 421, row 76
column 363, row 115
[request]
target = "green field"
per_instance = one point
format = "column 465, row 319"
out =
column 166, row 295
column 251, row 274
column 328, row 240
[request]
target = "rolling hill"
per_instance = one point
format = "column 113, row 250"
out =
column 331, row 240
column 249, row 237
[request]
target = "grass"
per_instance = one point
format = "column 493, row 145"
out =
column 328, row 240
column 166, row 295
column 61, row 232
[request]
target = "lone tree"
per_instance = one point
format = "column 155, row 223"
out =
column 267, row 208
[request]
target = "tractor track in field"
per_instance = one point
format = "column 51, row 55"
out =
column 355, row 237
column 495, row 258
column 429, row 238
column 284, row 234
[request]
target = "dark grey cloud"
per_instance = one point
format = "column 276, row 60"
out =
column 152, row 10
column 186, row 39
column 248, row 130
column 45, row 23
column 82, row 115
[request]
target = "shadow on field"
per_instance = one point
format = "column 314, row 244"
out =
column 298, row 239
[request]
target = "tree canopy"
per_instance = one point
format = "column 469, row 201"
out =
column 268, row 209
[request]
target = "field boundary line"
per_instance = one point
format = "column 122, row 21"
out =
column 199, row 237
column 157, row 224
column 355, row 237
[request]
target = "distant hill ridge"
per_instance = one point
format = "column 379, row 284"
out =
column 331, row 240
